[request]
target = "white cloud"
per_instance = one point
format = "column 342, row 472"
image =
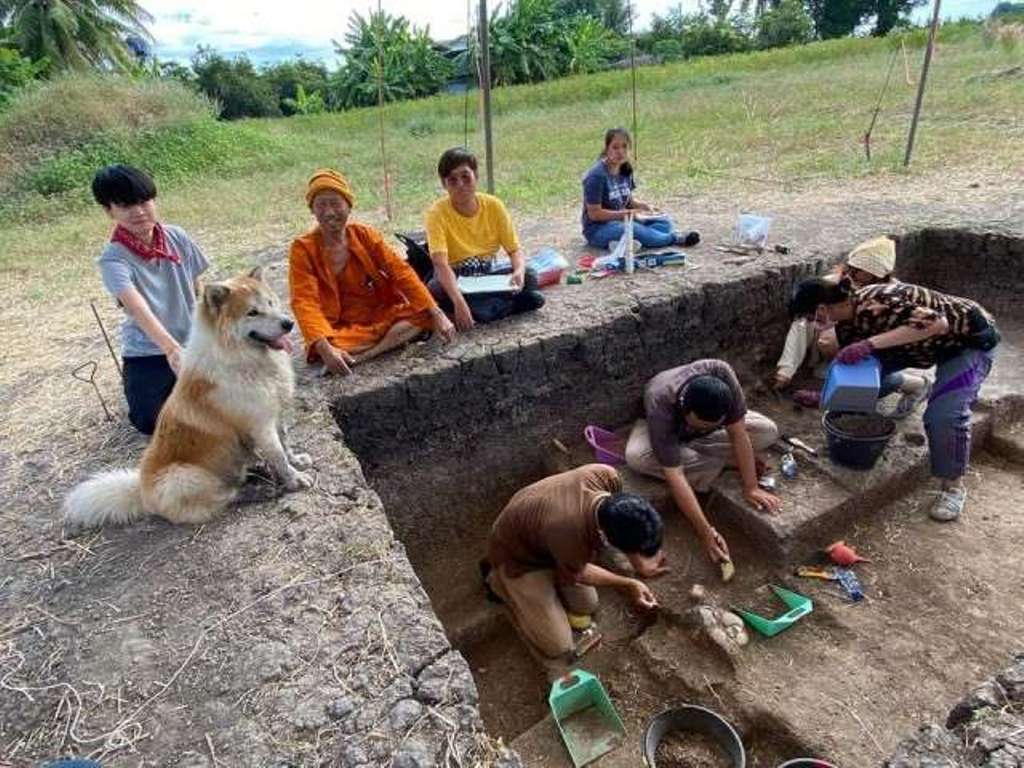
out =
column 270, row 29
column 238, row 26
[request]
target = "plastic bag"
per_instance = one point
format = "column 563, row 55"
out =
column 549, row 265
column 752, row 230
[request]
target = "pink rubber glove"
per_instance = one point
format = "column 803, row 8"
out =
column 854, row 353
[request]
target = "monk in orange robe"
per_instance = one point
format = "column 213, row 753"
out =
column 353, row 297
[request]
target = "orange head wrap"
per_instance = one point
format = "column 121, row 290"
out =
column 326, row 179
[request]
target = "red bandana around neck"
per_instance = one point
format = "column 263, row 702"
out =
column 146, row 251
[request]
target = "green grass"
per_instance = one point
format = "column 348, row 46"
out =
column 791, row 115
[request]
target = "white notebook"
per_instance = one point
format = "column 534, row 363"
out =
column 484, row 284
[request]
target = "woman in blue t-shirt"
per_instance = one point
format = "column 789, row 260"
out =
column 608, row 199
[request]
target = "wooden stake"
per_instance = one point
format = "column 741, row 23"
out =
column 485, row 90
column 921, row 85
column 906, row 62
column 380, row 123
column 465, row 96
column 632, row 66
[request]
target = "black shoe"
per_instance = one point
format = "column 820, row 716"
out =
column 527, row 301
column 688, row 240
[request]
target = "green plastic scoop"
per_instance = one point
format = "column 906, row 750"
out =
column 585, row 717
column 798, row 605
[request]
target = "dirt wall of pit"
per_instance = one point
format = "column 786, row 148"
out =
column 459, row 433
column 469, row 432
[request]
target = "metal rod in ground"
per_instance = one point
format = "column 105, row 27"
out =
column 485, row 90
column 921, row 85
column 632, row 66
column 106, row 338
column 90, row 378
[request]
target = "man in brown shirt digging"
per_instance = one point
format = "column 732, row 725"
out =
column 543, row 543
column 697, row 424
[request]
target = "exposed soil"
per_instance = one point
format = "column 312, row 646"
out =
column 848, row 681
column 294, row 632
column 690, row 750
column 502, row 662
column 590, row 731
column 862, row 425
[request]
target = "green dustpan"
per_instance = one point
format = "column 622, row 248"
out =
column 585, row 717
column 799, row 606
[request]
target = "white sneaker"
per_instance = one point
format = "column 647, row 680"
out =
column 909, row 401
column 949, row 505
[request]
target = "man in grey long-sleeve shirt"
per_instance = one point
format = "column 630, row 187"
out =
column 697, row 423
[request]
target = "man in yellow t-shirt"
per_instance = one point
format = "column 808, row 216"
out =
column 465, row 229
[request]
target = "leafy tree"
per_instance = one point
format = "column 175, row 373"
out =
column 889, row 13
column 304, row 103
column 668, row 49
column 838, row 18
column 526, row 43
column 704, row 35
column 785, row 24
column 235, row 84
column 172, row 70
column 384, row 52
column 678, row 34
column 287, row 77
column 589, row 44
column 1008, row 10
column 76, row 34
column 16, row 72
column 613, row 14
column 665, row 27
column 719, row 10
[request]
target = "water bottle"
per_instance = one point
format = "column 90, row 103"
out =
column 851, row 584
column 630, row 265
column 788, row 466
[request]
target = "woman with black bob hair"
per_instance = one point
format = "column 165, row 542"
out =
column 908, row 326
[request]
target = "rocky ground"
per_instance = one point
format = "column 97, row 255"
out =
column 986, row 728
column 294, row 630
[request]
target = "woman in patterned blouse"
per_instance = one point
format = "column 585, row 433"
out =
column 907, row 326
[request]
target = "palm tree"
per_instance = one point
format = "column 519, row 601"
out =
column 75, row 34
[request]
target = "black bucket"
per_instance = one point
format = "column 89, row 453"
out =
column 689, row 717
column 858, row 449
column 806, row 762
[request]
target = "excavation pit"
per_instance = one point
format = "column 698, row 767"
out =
column 480, row 422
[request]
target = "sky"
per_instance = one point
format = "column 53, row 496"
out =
column 271, row 30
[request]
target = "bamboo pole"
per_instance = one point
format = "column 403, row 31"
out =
column 485, row 90
column 632, row 66
column 380, row 124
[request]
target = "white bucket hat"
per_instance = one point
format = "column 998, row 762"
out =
column 877, row 257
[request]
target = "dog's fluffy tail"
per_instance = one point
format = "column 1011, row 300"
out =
column 113, row 497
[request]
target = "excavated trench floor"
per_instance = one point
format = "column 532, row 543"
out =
column 942, row 607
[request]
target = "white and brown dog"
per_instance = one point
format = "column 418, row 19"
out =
column 235, row 379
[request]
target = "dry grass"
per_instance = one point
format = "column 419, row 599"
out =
column 74, row 108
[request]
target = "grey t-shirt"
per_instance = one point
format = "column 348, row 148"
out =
column 665, row 422
column 168, row 288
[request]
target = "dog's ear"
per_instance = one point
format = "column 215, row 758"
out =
column 214, row 296
column 256, row 273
